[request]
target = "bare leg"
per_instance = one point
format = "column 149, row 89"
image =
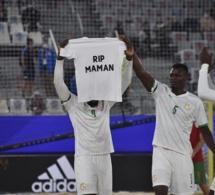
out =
column 205, row 189
column 211, row 192
column 161, row 190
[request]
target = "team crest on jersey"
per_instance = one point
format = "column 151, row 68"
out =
column 154, row 178
column 187, row 106
column 83, row 186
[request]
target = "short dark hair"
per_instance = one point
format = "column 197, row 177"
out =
column 182, row 66
column 29, row 40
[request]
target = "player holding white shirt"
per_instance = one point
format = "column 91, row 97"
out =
column 206, row 88
column 102, row 60
column 176, row 110
column 93, row 142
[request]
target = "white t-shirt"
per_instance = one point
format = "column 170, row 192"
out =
column 175, row 116
column 98, row 64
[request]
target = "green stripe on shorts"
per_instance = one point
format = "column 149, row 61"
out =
column 199, row 173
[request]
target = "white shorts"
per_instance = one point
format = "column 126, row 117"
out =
column 93, row 174
column 173, row 170
column 213, row 185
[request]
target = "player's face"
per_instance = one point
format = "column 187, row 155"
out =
column 178, row 78
column 93, row 103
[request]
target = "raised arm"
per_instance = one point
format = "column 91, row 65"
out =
column 205, row 85
column 146, row 79
column 127, row 73
column 60, row 86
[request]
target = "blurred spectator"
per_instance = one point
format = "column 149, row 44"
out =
column 162, row 35
column 3, row 14
column 118, row 28
column 173, row 26
column 191, row 23
column 207, row 23
column 131, row 31
column 27, row 61
column 212, row 10
column 145, row 38
column 31, row 18
column 37, row 104
column 47, row 58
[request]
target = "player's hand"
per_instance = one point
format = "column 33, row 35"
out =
column 206, row 58
column 129, row 52
column 62, row 45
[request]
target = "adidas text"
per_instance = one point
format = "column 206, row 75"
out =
column 54, row 186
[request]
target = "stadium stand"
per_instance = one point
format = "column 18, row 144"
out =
column 54, row 106
column 98, row 18
column 4, row 34
column 3, row 107
column 18, row 106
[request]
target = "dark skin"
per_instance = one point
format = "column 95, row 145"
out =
column 206, row 58
column 178, row 79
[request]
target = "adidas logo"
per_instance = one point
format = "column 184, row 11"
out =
column 60, row 177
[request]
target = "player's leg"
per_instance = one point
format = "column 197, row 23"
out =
column 161, row 171
column 205, row 189
column 161, row 190
column 86, row 175
column 105, row 174
column 211, row 192
column 200, row 177
column 182, row 181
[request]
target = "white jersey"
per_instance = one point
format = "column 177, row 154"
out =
column 175, row 117
column 98, row 63
column 91, row 127
column 206, row 88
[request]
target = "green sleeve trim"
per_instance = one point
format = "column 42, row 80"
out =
column 203, row 125
column 153, row 84
column 62, row 102
column 153, row 88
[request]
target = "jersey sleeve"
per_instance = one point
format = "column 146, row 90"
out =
column 206, row 88
column 157, row 89
column 200, row 115
column 62, row 90
column 69, row 104
column 126, row 75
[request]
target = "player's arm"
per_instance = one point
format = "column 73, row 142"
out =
column 208, row 137
column 60, row 86
column 128, row 62
column 205, row 85
column 146, row 79
column 199, row 145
